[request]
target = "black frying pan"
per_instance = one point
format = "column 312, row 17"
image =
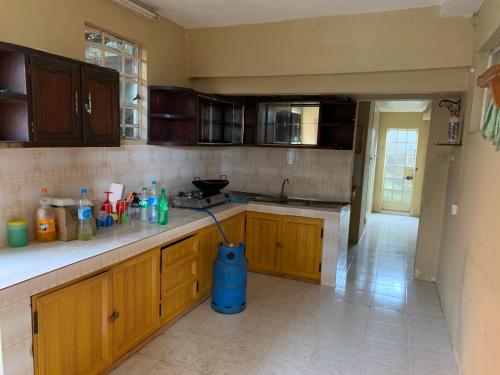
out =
column 211, row 186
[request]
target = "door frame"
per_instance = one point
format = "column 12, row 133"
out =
column 423, row 127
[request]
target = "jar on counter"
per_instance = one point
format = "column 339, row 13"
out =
column 17, row 233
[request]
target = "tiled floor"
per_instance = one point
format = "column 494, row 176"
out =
column 377, row 321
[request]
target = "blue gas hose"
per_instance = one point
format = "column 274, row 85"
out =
column 226, row 241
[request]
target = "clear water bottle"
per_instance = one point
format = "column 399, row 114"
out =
column 85, row 230
column 143, row 205
column 163, row 208
column 153, row 203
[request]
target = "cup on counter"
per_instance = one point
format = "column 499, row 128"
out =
column 17, row 233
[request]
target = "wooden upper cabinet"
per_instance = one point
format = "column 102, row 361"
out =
column 302, row 247
column 55, row 85
column 263, row 240
column 101, row 108
column 136, row 300
column 71, row 329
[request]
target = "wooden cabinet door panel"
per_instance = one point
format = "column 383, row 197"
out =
column 234, row 228
column 136, row 298
column 101, row 108
column 209, row 239
column 179, row 277
column 73, row 328
column 55, row 100
column 302, row 246
column 263, row 238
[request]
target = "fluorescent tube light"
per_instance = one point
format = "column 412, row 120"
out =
column 138, row 7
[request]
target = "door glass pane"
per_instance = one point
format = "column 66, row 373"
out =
column 399, row 167
column 130, row 132
column 130, row 49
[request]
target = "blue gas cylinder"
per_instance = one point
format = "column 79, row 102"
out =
column 229, row 284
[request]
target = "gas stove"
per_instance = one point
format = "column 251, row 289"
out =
column 197, row 199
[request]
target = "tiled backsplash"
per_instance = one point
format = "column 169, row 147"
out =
column 312, row 173
column 65, row 170
column 324, row 174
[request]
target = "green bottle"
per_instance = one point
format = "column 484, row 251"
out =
column 163, row 208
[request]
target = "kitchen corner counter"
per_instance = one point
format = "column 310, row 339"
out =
column 30, row 270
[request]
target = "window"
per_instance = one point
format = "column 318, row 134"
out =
column 124, row 56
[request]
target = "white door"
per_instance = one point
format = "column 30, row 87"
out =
column 399, row 169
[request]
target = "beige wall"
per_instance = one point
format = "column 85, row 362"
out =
column 469, row 264
column 409, row 120
column 57, row 26
column 389, row 41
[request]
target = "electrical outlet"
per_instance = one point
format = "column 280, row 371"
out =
column 454, row 209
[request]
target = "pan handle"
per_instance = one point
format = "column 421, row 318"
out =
column 197, row 179
column 223, row 175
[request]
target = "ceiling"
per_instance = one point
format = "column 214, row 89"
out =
column 402, row 105
column 216, row 13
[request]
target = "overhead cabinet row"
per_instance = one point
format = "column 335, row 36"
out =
column 48, row 100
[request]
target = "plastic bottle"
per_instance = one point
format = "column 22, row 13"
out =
column 153, row 203
column 45, row 222
column 84, row 229
column 144, row 206
column 163, row 208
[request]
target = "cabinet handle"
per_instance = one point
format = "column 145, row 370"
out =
column 76, row 103
column 114, row 315
column 88, row 105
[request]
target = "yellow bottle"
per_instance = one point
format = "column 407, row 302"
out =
column 45, row 223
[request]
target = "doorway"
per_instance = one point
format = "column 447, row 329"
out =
column 401, row 152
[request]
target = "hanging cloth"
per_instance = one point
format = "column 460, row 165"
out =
column 491, row 126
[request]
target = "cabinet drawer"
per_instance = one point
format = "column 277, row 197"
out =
column 179, row 250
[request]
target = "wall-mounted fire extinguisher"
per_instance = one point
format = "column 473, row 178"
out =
column 454, row 128
column 454, row 121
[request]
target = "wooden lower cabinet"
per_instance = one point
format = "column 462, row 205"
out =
column 71, row 328
column 179, row 277
column 285, row 245
column 209, row 240
column 301, row 248
column 263, row 240
column 234, row 228
column 136, row 301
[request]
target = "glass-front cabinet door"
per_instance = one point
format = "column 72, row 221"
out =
column 288, row 123
column 220, row 121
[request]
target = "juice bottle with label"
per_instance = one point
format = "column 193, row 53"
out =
column 45, row 222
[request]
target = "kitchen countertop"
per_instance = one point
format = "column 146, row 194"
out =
column 21, row 264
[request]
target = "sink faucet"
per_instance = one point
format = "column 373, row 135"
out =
column 282, row 193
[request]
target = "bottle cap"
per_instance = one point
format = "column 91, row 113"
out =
column 83, row 190
column 43, row 190
column 17, row 223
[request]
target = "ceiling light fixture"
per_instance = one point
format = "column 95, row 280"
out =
column 139, row 7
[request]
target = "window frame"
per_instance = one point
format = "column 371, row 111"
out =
column 140, row 79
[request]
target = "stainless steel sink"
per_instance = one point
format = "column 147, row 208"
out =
column 288, row 201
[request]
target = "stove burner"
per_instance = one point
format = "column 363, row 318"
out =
column 197, row 199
